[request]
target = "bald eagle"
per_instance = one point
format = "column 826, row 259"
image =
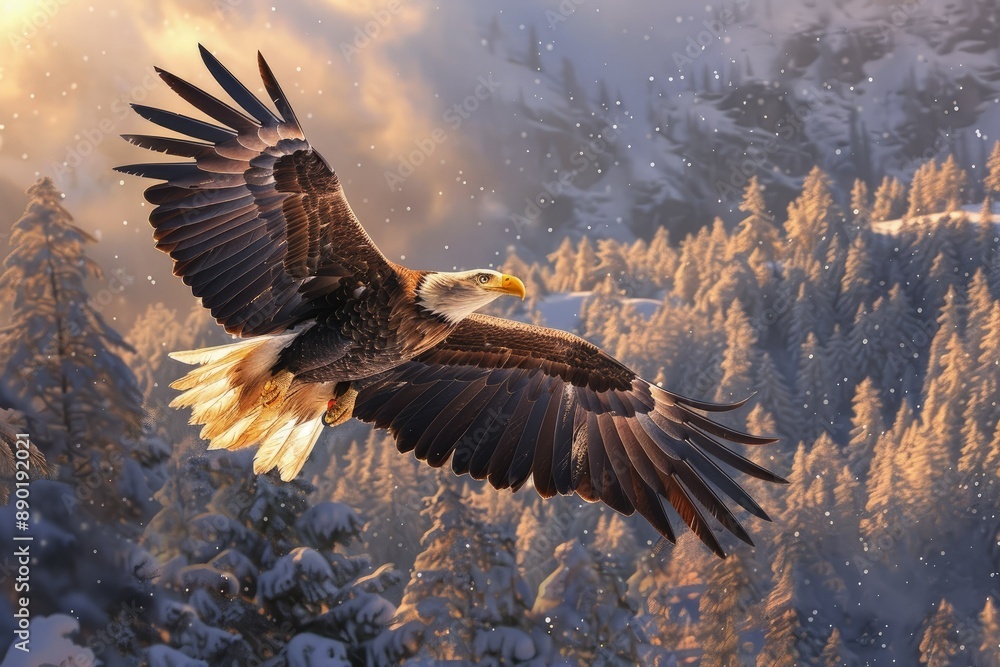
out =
column 257, row 225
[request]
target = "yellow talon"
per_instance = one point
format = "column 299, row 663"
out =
column 339, row 410
column 275, row 388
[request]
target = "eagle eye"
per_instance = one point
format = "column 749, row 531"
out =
column 483, row 278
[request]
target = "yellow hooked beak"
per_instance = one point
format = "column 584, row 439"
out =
column 511, row 285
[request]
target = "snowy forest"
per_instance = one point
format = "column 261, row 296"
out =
column 802, row 208
column 869, row 335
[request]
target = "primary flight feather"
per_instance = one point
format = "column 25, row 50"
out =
column 257, row 224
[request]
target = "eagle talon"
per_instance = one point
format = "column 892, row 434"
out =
column 339, row 410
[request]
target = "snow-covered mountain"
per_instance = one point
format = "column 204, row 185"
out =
column 722, row 92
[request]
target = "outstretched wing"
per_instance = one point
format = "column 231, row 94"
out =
column 507, row 401
column 257, row 223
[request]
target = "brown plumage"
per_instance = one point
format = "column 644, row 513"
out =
column 258, row 225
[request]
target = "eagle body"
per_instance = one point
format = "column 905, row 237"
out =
column 257, row 225
column 368, row 324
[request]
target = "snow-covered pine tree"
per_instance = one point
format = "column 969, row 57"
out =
column 835, row 654
column 585, row 273
column 773, row 395
column 466, row 599
column 921, row 198
column 991, row 183
column 391, row 499
column 757, row 230
column 61, row 361
column 860, row 205
column 867, row 425
column 253, row 575
column 563, row 261
column 583, row 608
column 687, row 277
column 939, row 646
column 723, row 610
column 663, row 595
column 814, row 384
column 889, row 202
column 988, row 652
column 781, row 642
column 62, row 367
column 810, row 224
column 154, row 335
column 739, row 358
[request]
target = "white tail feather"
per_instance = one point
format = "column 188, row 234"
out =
column 240, row 403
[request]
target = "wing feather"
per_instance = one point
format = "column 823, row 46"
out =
column 256, row 213
column 522, row 402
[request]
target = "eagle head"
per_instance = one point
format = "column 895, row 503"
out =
column 454, row 295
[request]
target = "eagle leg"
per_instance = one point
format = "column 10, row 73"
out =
column 340, row 409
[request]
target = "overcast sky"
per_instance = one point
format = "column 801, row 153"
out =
column 69, row 68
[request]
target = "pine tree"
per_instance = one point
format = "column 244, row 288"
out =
column 975, row 489
column 952, row 181
column 61, row 360
column 939, row 643
column 814, row 389
column 723, row 609
column 946, row 393
column 802, row 319
column 153, row 337
column 848, row 502
column 835, row 653
column 612, row 262
column 535, row 545
column 465, row 593
column 393, row 502
column 564, row 267
column 860, row 207
column 884, row 478
column 661, row 258
column 810, row 225
column 757, row 230
column 251, row 571
column 586, row 615
column 856, row 285
column 63, row 371
column 773, row 394
column 867, row 426
column 988, row 654
column 688, row 275
column 992, row 181
column 924, row 190
column 738, row 358
column 585, row 274
column 781, row 643
column 888, row 200
column 979, row 310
